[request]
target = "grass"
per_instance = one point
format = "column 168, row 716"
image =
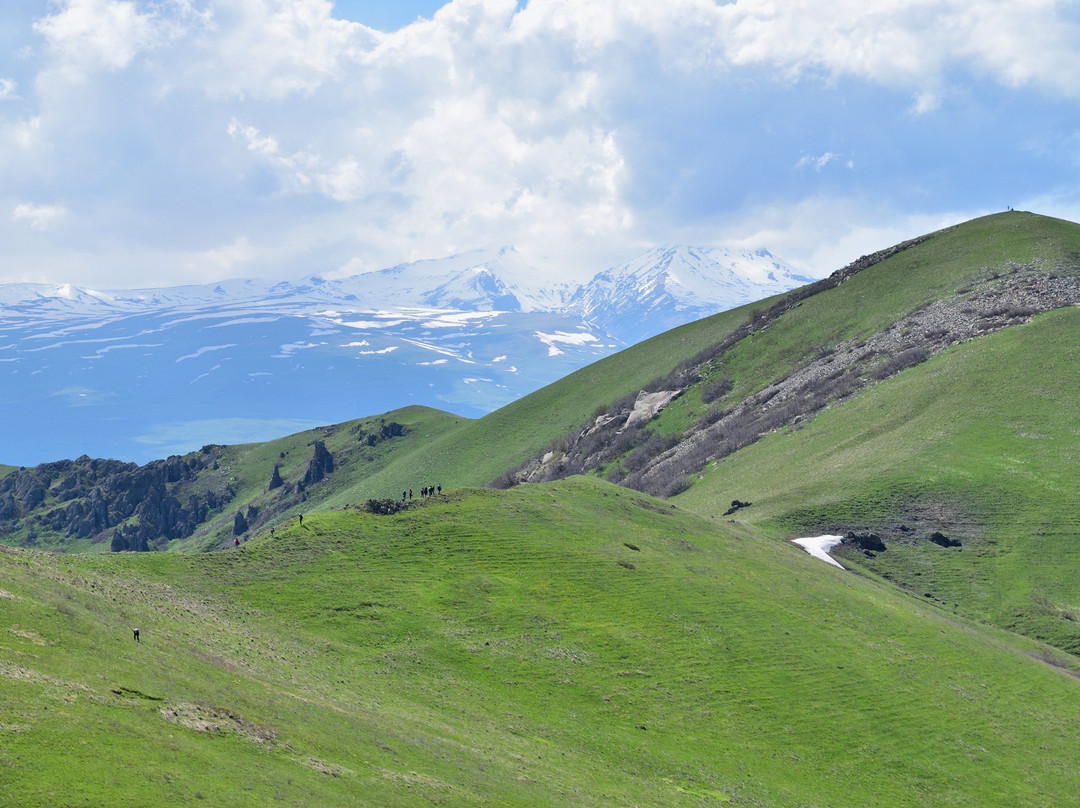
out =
column 513, row 648
column 576, row 643
column 979, row 443
column 948, row 261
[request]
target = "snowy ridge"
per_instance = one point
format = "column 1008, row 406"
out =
column 670, row 286
column 141, row 374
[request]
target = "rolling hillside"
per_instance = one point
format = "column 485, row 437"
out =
column 570, row 643
column 578, row 641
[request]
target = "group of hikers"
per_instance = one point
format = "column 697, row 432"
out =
column 426, row 491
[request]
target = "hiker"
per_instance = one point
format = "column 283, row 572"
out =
column 403, row 493
column 439, row 486
column 236, row 541
column 301, row 520
column 410, row 493
column 136, row 638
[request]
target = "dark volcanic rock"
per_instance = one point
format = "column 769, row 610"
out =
column 944, row 541
column 86, row 497
column 736, row 505
column 865, row 540
column 322, row 463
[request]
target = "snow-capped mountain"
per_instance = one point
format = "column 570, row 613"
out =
column 480, row 280
column 669, row 286
column 140, row 374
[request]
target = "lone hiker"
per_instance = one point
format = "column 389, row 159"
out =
column 301, row 520
column 136, row 632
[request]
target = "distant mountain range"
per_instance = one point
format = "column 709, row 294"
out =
column 140, row 374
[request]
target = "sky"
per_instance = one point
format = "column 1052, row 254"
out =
column 160, row 142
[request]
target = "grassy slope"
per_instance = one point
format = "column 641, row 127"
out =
column 477, row 451
column 490, row 648
column 440, row 448
column 980, row 443
column 877, row 297
column 480, row 450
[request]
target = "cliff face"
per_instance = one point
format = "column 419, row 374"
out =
column 133, row 506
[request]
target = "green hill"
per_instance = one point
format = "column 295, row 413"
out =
column 980, row 444
column 570, row 643
column 577, row 641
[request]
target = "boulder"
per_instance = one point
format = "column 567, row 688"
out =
column 735, row 505
column 940, row 539
column 865, row 540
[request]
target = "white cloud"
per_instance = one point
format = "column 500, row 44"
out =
column 909, row 43
column 821, row 234
column 818, row 163
column 86, row 35
column 574, row 130
column 272, row 48
column 225, row 258
column 38, row 217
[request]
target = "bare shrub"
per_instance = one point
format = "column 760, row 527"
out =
column 716, row 389
column 712, row 415
column 899, row 362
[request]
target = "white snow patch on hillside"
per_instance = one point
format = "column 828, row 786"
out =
column 369, row 324
column 564, row 337
column 449, row 319
column 203, row 350
column 819, row 546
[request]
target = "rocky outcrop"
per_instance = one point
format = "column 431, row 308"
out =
column 321, row 464
column 940, row 539
column 648, row 406
column 386, row 431
column 385, row 507
column 736, row 505
column 86, row 498
column 865, row 540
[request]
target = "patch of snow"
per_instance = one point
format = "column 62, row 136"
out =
column 564, row 337
column 201, row 351
column 245, row 321
column 819, row 546
column 291, row 348
column 368, row 324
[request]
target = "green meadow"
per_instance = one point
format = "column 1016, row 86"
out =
column 577, row 643
column 570, row 643
column 979, row 443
